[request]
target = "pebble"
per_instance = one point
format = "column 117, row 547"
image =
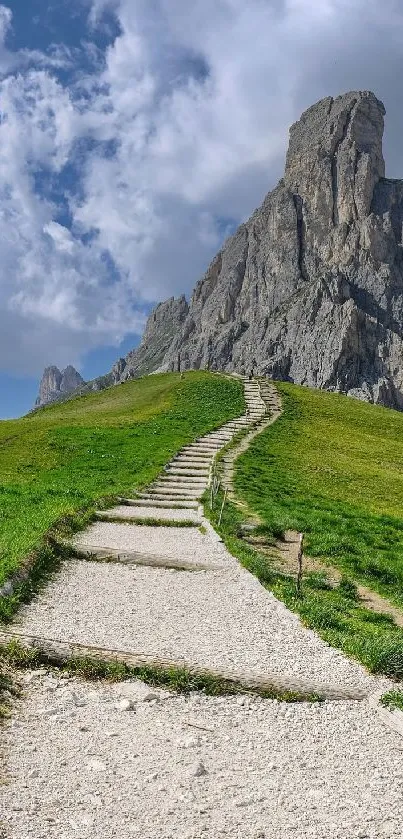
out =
column 198, row 770
column 124, row 705
column 97, row 765
column 47, row 712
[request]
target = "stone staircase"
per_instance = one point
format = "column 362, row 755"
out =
column 121, row 597
column 188, row 475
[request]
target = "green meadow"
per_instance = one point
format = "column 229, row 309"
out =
column 332, row 468
column 67, row 457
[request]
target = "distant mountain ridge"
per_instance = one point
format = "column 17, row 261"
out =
column 56, row 384
column 162, row 326
column 310, row 289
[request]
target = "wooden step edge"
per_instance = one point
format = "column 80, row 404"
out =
column 57, row 651
column 161, row 496
column 139, row 502
column 146, row 521
column 93, row 553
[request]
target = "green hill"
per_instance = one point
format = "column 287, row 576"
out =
column 66, row 457
column 332, row 468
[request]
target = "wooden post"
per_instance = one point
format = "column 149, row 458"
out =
column 222, row 507
column 300, row 565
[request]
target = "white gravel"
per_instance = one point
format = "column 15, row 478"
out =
column 79, row 767
column 210, row 618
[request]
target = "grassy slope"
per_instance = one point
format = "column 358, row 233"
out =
column 331, row 467
column 65, row 457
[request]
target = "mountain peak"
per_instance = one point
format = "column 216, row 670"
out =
column 335, row 159
column 310, row 288
column 56, row 383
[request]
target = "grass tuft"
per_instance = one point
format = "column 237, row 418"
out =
column 393, row 700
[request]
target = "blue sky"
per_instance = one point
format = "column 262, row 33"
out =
column 134, row 136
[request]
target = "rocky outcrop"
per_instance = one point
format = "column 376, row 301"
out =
column 164, row 323
column 310, row 289
column 56, row 384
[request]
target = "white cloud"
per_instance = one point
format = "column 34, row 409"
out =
column 180, row 126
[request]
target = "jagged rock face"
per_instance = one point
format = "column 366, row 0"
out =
column 56, row 383
column 310, row 289
column 164, row 323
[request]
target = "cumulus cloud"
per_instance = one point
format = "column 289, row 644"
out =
column 119, row 182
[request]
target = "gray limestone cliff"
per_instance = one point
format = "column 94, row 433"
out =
column 56, row 384
column 310, row 289
column 163, row 325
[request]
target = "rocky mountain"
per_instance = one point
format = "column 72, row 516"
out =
column 310, row 289
column 163, row 325
column 56, row 384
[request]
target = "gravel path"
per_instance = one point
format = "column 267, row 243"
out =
column 209, row 618
column 106, row 761
column 81, row 768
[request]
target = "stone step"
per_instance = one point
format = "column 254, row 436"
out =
column 170, row 493
column 183, row 479
column 106, row 554
column 202, row 445
column 223, row 436
column 221, row 441
column 194, row 463
column 142, row 502
column 201, row 452
column 186, row 471
column 165, row 497
column 181, row 491
column 197, row 463
column 124, row 537
column 194, row 453
column 176, row 486
column 150, row 513
column 200, row 448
